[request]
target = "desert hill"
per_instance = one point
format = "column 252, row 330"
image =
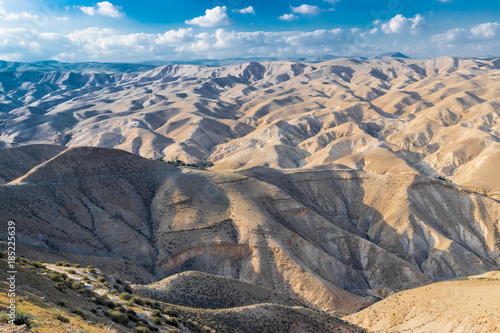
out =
column 436, row 117
column 68, row 298
column 15, row 162
column 201, row 290
column 335, row 240
column 465, row 305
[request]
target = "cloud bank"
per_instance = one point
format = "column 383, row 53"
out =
column 109, row 45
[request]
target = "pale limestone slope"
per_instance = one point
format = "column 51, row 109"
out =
column 468, row 305
column 437, row 117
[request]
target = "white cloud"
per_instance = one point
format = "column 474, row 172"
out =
column 306, row 9
column 317, row 37
column 20, row 44
column 400, row 24
column 482, row 39
column 4, row 15
column 485, row 30
column 288, row 17
column 213, row 17
column 104, row 8
column 478, row 33
column 332, row 1
column 247, row 10
column 452, row 36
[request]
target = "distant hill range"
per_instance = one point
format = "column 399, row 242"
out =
column 102, row 67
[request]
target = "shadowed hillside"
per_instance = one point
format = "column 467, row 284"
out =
column 201, row 290
column 15, row 162
column 334, row 240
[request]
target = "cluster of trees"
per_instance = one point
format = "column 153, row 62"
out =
column 199, row 165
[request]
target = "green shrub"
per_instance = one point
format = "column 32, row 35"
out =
column 156, row 313
column 132, row 317
column 118, row 317
column 101, row 279
column 59, row 263
column 91, row 269
column 131, row 311
column 104, row 301
column 38, row 264
column 137, row 300
column 60, row 286
column 77, row 285
column 71, row 271
column 65, row 264
column 61, row 304
column 77, row 265
column 61, row 318
column 157, row 320
column 20, row 318
column 125, row 296
column 86, row 292
column 172, row 322
column 170, row 311
column 78, row 312
column 142, row 329
column 57, row 277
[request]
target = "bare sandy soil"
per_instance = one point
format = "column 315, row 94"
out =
column 467, row 305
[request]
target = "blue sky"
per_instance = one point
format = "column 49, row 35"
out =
column 134, row 31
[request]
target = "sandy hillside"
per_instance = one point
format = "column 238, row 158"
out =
column 466, row 305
